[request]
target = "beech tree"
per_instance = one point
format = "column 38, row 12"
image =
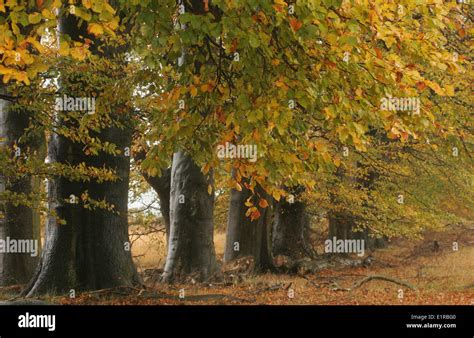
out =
column 19, row 219
column 87, row 245
column 304, row 82
column 19, row 203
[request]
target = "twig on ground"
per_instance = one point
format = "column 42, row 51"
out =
column 311, row 282
column 120, row 290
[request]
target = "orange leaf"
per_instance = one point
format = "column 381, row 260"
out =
column 263, row 203
column 399, row 76
column 421, row 85
column 378, row 52
column 330, row 63
column 295, row 24
column 255, row 215
column 234, row 45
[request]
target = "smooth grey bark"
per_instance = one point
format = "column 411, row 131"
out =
column 92, row 249
column 191, row 252
column 19, row 222
column 245, row 237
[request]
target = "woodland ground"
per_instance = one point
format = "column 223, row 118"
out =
column 439, row 277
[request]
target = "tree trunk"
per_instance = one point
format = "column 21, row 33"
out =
column 106, row 232
column 191, row 243
column 56, row 272
column 288, row 229
column 245, row 237
column 17, row 222
column 91, row 250
column 341, row 226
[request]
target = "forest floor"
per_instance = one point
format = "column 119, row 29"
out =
column 438, row 276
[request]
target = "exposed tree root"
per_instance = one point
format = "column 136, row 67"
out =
column 370, row 278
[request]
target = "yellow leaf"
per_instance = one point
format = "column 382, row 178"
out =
column 34, row 18
column 250, row 211
column 437, row 89
column 449, row 89
column 238, row 187
column 36, row 44
column 320, row 146
column 5, row 70
column 112, row 24
column 193, row 91
column 109, row 8
column 276, row 195
column 15, row 28
column 153, row 172
column 78, row 53
column 63, row 48
column 47, row 14
column 95, row 29
column 327, row 158
column 22, row 76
